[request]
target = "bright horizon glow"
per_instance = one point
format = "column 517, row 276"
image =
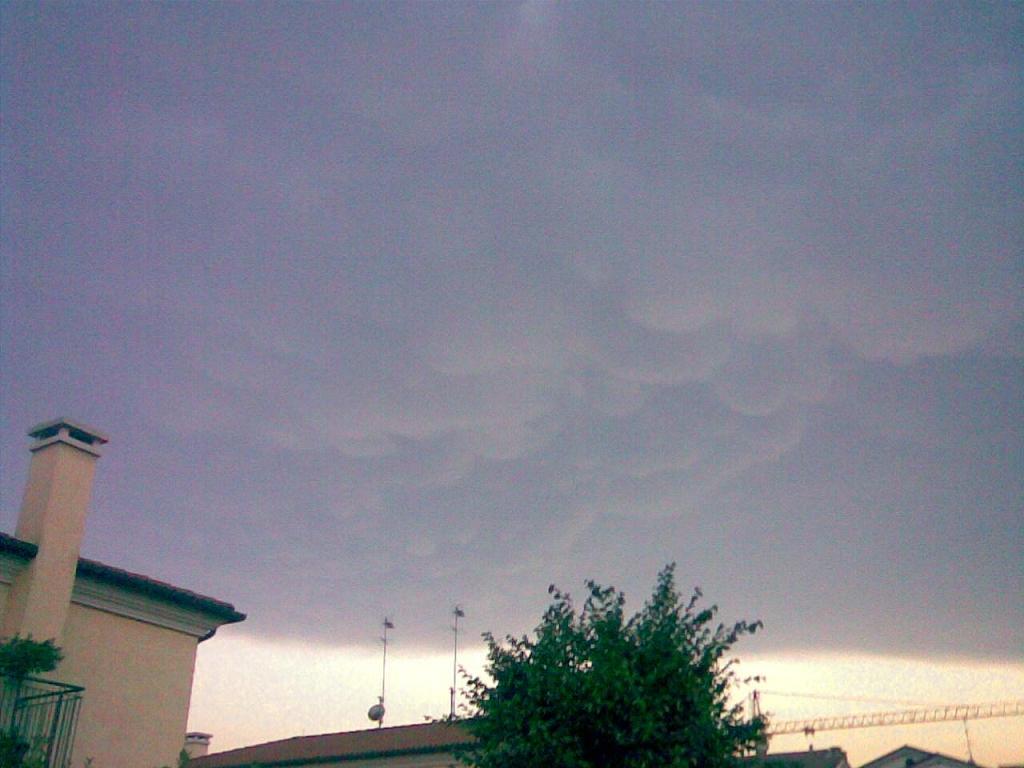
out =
column 250, row 690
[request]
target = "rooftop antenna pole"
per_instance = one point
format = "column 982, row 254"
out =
column 458, row 613
column 384, row 666
column 376, row 712
column 761, row 748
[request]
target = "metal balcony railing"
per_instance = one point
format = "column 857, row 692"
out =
column 37, row 720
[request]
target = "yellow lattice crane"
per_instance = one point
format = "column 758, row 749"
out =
column 936, row 714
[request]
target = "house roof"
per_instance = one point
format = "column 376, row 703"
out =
column 834, row 757
column 12, row 546
column 424, row 739
column 906, row 756
column 419, row 739
column 133, row 582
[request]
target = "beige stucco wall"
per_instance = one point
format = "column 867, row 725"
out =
column 138, row 682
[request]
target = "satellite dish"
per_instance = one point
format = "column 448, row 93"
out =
column 376, row 713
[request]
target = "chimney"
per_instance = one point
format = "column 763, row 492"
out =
column 761, row 747
column 52, row 517
column 197, row 744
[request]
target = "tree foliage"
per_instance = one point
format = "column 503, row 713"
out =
column 594, row 688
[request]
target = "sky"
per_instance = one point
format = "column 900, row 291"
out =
column 388, row 307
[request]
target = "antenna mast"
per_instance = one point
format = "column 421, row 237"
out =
column 384, row 665
column 376, row 712
column 967, row 735
column 458, row 613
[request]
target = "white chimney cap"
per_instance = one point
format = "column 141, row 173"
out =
column 65, row 430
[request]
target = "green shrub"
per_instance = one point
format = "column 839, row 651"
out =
column 23, row 656
column 12, row 750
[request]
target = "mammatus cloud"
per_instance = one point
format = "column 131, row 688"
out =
column 389, row 308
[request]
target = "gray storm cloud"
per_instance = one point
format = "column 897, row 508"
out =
column 389, row 307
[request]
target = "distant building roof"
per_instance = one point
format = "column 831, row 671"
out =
column 912, row 757
column 833, row 757
column 373, row 743
column 133, row 581
column 427, row 738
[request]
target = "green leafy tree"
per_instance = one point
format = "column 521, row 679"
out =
column 594, row 688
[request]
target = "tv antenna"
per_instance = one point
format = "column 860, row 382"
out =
column 376, row 712
column 458, row 613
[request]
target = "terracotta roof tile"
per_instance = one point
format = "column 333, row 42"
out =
column 347, row 745
column 154, row 588
column 23, row 549
column 834, row 757
column 133, row 581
